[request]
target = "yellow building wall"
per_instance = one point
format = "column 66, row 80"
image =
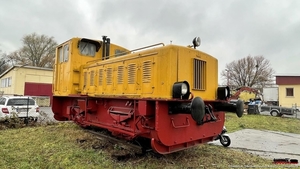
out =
column 289, row 101
column 20, row 75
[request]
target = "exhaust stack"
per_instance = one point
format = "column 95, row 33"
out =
column 105, row 47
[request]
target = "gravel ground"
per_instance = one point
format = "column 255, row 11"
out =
column 265, row 143
column 48, row 117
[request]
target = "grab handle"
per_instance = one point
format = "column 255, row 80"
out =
column 182, row 126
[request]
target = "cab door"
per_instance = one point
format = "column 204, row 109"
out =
column 62, row 76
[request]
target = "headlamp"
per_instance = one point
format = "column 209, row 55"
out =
column 181, row 90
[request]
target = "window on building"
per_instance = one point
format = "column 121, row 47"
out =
column 289, row 91
column 9, row 81
column 6, row 82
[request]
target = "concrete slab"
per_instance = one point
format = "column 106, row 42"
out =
column 267, row 144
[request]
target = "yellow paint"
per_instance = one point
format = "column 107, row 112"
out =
column 68, row 75
column 147, row 73
column 289, row 101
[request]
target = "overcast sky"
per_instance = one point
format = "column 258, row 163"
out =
column 229, row 29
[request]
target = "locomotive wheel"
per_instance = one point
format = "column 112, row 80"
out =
column 225, row 141
column 197, row 109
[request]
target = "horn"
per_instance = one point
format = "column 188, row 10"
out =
column 238, row 108
column 197, row 109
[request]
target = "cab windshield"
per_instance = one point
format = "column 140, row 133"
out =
column 87, row 49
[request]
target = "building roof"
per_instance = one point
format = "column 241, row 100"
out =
column 290, row 74
column 24, row 66
column 288, row 80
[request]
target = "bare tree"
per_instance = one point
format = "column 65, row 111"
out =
column 37, row 50
column 250, row 71
column 4, row 62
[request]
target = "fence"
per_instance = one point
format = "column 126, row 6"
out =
column 294, row 106
column 42, row 101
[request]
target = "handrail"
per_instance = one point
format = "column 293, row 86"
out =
column 157, row 44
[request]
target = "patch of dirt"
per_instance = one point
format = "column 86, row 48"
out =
column 117, row 151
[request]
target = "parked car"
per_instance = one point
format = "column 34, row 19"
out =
column 20, row 106
column 278, row 110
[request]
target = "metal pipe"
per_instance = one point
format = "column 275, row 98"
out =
column 107, row 48
column 103, row 47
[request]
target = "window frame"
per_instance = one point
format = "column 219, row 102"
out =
column 84, row 45
column 6, row 82
column 63, row 52
column 289, row 92
column 66, row 50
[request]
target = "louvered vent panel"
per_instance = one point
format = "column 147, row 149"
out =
column 120, row 74
column 109, row 75
column 131, row 73
column 147, row 72
column 92, row 78
column 199, row 74
column 85, row 78
column 100, row 77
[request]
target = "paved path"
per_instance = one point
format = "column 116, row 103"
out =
column 267, row 144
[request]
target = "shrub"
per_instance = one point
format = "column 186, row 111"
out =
column 16, row 122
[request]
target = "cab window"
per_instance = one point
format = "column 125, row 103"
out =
column 60, row 53
column 63, row 53
column 87, row 49
column 66, row 52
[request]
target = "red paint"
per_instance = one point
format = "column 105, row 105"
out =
column 128, row 119
column 37, row 89
column 288, row 80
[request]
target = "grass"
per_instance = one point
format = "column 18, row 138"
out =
column 262, row 122
column 65, row 145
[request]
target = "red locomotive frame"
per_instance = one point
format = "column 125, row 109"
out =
column 130, row 119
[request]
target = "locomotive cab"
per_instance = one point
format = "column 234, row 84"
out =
column 70, row 57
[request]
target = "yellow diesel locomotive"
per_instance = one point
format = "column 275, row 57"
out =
column 166, row 94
